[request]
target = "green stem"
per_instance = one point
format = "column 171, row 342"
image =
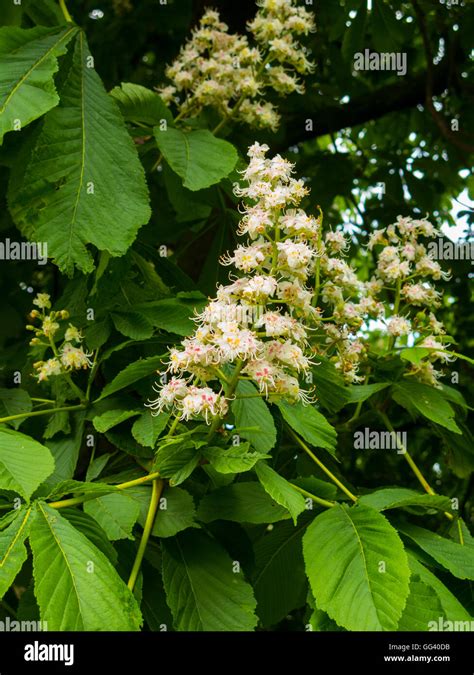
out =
column 318, row 500
column 35, row 413
column 404, row 451
column 157, row 489
column 73, row 501
column 322, row 466
column 64, row 10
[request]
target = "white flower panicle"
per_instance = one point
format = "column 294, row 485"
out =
column 67, row 357
column 220, row 70
column 262, row 322
column 405, row 265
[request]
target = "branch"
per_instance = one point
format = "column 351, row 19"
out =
column 439, row 120
column 362, row 108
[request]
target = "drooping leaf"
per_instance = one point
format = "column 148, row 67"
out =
column 14, row 402
column 28, row 62
column 81, row 179
column 116, row 513
column 280, row 490
column 235, row 459
column 177, row 461
column 330, row 387
column 253, row 412
column 173, row 314
column 132, row 373
column 427, row 401
column 392, row 498
column 357, row 567
column 423, row 606
column 176, row 510
column 12, row 549
column 198, row 157
column 362, row 392
column 279, row 565
column 148, row 427
column 24, row 463
column 111, row 418
column 76, row 586
column 310, row 424
column 89, row 526
column 202, row 590
column 142, row 105
column 242, row 503
column 458, row 559
column 452, row 608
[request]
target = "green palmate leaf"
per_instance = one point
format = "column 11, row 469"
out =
column 76, row 586
column 242, row 503
column 12, row 549
column 362, row 392
column 24, row 463
column 330, row 387
column 142, row 105
column 148, row 427
column 392, row 498
column 65, row 450
column 280, row 490
column 202, row 590
column 177, row 461
column 253, row 412
column 132, row 324
column 116, row 513
column 423, row 606
column 111, row 418
column 458, row 559
column 155, row 610
column 427, row 401
column 132, row 373
column 92, row 530
column 173, row 314
column 235, row 459
column 176, row 510
column 415, row 354
column 14, row 402
column 279, row 565
column 198, row 157
column 81, row 179
column 28, row 61
column 452, row 608
column 310, row 424
column 66, row 487
column 357, row 568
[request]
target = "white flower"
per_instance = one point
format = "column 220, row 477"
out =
column 74, row 358
column 398, row 326
column 73, row 334
column 43, row 301
column 47, row 369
